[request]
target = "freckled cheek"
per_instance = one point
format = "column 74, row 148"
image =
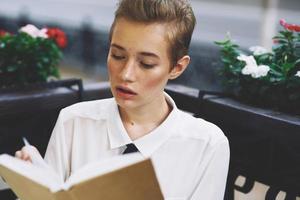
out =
column 112, row 69
column 156, row 82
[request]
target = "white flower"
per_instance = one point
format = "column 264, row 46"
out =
column 262, row 70
column 258, row 50
column 298, row 74
column 248, row 70
column 43, row 33
column 34, row 31
column 249, row 60
column 251, row 67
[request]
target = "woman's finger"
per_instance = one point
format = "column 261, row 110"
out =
column 18, row 154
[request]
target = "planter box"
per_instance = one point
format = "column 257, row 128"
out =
column 31, row 113
column 264, row 144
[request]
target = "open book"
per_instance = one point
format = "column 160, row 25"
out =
column 125, row 177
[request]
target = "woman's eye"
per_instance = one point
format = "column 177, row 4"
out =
column 147, row 66
column 117, row 57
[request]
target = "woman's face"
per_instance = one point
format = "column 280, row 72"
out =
column 138, row 63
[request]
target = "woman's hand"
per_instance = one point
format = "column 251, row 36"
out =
column 23, row 153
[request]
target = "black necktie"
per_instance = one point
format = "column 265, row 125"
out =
column 130, row 148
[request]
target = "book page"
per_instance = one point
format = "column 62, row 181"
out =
column 43, row 176
column 35, row 156
column 94, row 169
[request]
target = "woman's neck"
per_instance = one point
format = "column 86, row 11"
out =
column 142, row 120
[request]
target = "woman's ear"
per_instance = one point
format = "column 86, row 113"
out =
column 179, row 67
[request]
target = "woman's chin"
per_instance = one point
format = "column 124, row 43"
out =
column 126, row 103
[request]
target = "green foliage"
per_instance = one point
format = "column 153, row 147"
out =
column 25, row 59
column 280, row 87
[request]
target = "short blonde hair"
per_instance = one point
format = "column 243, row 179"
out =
column 176, row 14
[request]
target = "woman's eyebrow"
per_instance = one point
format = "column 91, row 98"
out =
column 143, row 53
column 149, row 54
column 117, row 46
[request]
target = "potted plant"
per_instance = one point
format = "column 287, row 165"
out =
column 266, row 78
column 30, row 56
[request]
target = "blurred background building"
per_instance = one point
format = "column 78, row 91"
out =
column 87, row 23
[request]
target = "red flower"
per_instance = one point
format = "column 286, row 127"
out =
column 290, row 27
column 2, row 33
column 297, row 28
column 61, row 42
column 57, row 35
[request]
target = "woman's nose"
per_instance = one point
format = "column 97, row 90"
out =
column 128, row 72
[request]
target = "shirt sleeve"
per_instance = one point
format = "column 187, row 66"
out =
column 58, row 150
column 213, row 181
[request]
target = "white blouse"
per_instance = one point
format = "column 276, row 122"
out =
column 190, row 155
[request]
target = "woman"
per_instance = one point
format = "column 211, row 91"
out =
column 149, row 42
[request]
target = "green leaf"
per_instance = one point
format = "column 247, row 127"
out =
column 221, row 43
column 288, row 66
column 12, row 68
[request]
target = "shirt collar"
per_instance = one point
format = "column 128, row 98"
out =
column 147, row 144
column 116, row 131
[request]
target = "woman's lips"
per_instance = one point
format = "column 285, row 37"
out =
column 125, row 92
